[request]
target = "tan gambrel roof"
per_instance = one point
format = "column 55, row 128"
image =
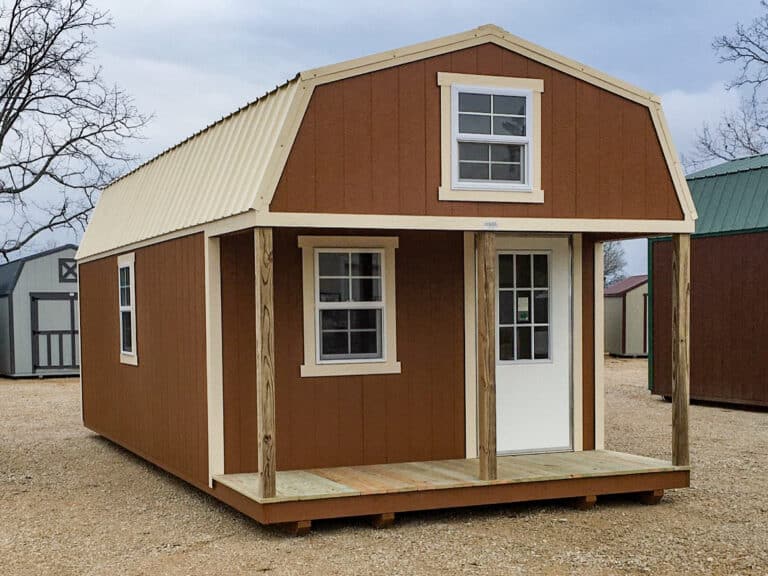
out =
column 233, row 166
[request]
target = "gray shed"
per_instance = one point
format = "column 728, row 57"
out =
column 39, row 320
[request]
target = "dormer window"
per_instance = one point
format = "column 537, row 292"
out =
column 491, row 146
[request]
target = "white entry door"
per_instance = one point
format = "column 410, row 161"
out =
column 533, row 323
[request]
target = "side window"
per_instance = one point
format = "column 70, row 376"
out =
column 127, row 308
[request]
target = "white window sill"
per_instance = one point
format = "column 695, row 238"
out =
column 349, row 369
column 130, row 359
column 535, row 196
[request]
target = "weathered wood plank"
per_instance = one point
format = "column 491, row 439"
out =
column 385, row 520
column 586, row 502
column 265, row 364
column 681, row 312
column 486, row 352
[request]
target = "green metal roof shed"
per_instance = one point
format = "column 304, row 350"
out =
column 728, row 274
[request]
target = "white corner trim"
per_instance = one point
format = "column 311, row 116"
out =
column 470, row 346
column 577, row 350
column 214, row 362
column 389, row 364
column 599, row 331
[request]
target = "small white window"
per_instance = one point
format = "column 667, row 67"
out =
column 349, row 305
column 490, row 129
column 127, row 308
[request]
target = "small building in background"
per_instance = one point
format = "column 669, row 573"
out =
column 729, row 299
column 626, row 317
column 39, row 315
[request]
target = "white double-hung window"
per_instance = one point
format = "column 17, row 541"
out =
column 490, row 138
column 127, row 308
column 349, row 305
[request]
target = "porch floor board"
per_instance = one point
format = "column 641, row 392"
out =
column 378, row 479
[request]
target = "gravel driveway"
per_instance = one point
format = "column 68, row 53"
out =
column 72, row 503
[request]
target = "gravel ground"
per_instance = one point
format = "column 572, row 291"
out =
column 72, row 503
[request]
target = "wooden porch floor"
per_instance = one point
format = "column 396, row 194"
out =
column 520, row 478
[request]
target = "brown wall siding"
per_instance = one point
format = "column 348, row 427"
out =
column 336, row 421
column 158, row 408
column 728, row 311
column 371, row 145
column 238, row 318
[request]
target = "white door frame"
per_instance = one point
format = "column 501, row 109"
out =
column 470, row 341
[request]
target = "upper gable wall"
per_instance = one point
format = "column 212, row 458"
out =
column 370, row 144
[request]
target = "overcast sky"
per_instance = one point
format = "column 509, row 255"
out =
column 189, row 62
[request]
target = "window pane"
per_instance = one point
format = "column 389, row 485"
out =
column 125, row 276
column 365, row 319
column 523, row 306
column 471, row 124
column 506, row 307
column 334, row 290
column 506, row 271
column 541, row 342
column 508, row 126
column 366, row 289
column 509, row 105
column 540, row 272
column 506, row 343
column 366, row 343
column 334, row 344
column 524, row 343
column 523, row 270
column 333, row 264
column 469, row 102
column 473, row 151
column 126, row 343
column 506, row 152
column 125, row 296
column 473, row 171
column 509, row 172
column 334, row 319
column 541, row 307
column 366, row 264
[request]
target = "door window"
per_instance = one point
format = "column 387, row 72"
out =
column 523, row 307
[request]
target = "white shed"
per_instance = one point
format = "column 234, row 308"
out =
column 39, row 314
column 626, row 317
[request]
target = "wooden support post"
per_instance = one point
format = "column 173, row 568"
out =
column 384, row 520
column 651, row 498
column 586, row 502
column 681, row 323
column 298, row 528
column 265, row 365
column 486, row 353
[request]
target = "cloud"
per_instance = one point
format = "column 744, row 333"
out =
column 687, row 111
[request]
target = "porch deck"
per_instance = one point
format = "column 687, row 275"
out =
column 388, row 488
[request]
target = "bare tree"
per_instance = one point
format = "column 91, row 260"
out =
column 63, row 130
column 614, row 262
column 743, row 132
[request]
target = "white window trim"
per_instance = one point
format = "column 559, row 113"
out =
column 131, row 358
column 388, row 363
column 451, row 188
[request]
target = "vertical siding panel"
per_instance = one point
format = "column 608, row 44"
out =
column 385, row 136
column 515, row 65
column 374, row 420
column 490, row 60
column 299, row 175
column 357, row 142
column 634, row 189
column 412, row 138
column 611, row 143
column 432, row 134
column 350, row 414
column 564, row 141
column 329, row 147
column 587, row 150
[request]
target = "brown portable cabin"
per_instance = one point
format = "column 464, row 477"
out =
column 378, row 288
column 728, row 293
